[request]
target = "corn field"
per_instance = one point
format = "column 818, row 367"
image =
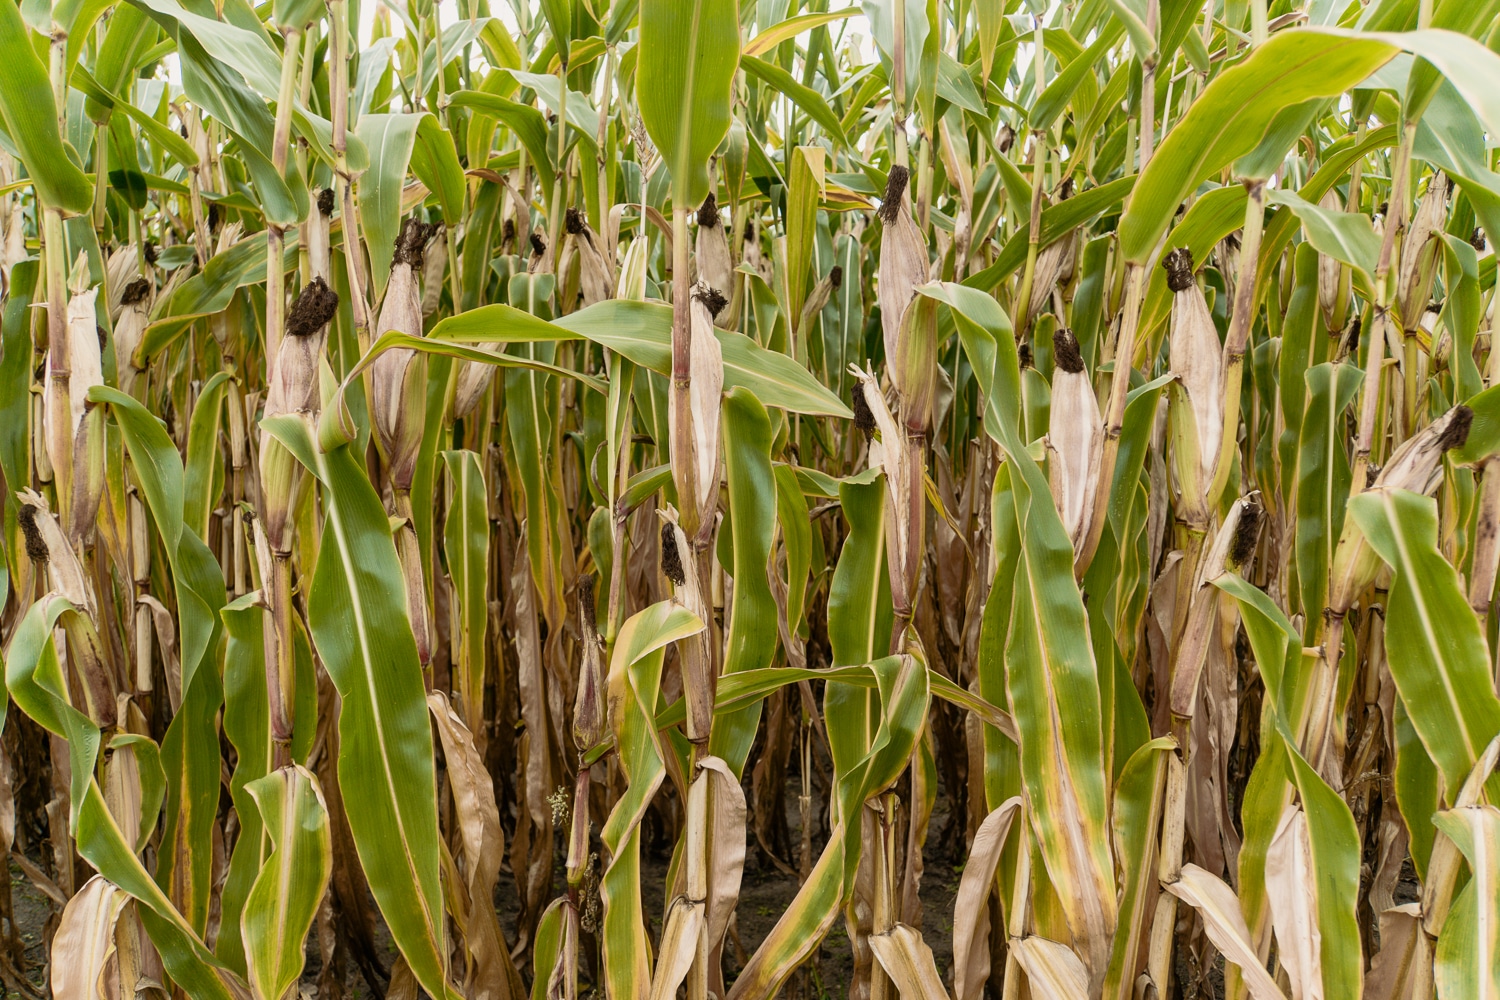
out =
column 485, row 486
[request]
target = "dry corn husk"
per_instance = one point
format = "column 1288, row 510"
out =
column 1196, row 358
column 893, row 455
column 118, row 274
column 46, row 546
column 81, row 440
column 130, row 330
column 294, row 374
column 752, row 255
column 590, row 704
column 540, row 261
column 1054, row 265
column 714, row 266
column 819, row 296
column 706, row 387
column 398, row 378
column 691, row 592
column 595, row 274
column 294, row 389
column 15, row 240
column 1416, row 465
column 1075, row 434
column 1414, row 280
column 903, row 265
column 319, row 254
column 1233, row 545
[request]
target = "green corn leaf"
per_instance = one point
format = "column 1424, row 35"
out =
column 357, row 614
column 688, row 53
column 36, row 683
column 752, row 632
column 1437, row 652
column 466, row 546
column 282, row 903
column 30, row 116
column 1232, row 115
column 1468, row 949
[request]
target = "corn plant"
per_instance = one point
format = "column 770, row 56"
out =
column 480, row 450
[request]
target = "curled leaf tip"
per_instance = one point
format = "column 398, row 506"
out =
column 1457, row 431
column 895, row 187
column 708, row 213
column 325, row 202
column 1179, row 267
column 314, row 309
column 36, row 546
column 1065, row 352
column 671, row 559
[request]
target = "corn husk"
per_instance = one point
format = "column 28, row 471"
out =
column 1418, row 261
column 714, row 266
column 1075, row 435
column 1232, row 546
column 704, row 393
column 914, row 366
column 752, row 255
column 409, row 552
column 903, row 265
column 590, row 703
column 893, row 453
column 595, row 274
column 130, row 330
column 632, row 280
column 319, row 253
column 434, row 266
column 294, row 374
column 1417, row 466
column 46, row 546
column 1196, row 358
column 15, row 240
column 119, row 272
column 818, row 298
column 1055, row 264
column 80, row 441
column 398, row 378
